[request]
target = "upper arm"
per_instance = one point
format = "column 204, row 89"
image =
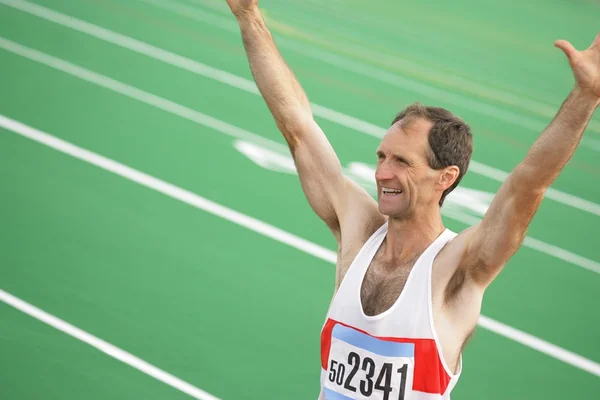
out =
column 494, row 240
column 330, row 194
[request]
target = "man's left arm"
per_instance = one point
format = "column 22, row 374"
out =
column 501, row 232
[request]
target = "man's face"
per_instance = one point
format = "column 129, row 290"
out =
column 405, row 181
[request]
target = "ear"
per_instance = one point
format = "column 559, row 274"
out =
column 448, row 176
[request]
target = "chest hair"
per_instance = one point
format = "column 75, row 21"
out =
column 382, row 285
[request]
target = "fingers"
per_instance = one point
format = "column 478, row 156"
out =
column 568, row 48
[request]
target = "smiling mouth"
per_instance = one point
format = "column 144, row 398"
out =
column 390, row 191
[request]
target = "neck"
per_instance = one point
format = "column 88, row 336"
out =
column 408, row 238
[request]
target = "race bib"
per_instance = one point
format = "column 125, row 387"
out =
column 364, row 367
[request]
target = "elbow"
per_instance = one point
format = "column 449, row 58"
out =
column 529, row 180
column 289, row 113
column 493, row 259
column 293, row 125
column 538, row 172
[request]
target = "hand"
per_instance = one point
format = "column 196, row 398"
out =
column 239, row 7
column 585, row 65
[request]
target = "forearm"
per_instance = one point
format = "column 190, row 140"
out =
column 278, row 85
column 557, row 143
column 503, row 228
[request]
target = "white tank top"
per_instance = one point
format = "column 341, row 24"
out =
column 395, row 355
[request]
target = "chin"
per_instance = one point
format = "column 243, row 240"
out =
column 392, row 212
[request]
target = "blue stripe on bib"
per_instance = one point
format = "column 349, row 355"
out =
column 374, row 345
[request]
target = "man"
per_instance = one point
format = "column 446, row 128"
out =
column 408, row 291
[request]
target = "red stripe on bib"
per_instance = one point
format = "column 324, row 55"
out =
column 429, row 375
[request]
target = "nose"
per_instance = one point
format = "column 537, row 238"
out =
column 383, row 172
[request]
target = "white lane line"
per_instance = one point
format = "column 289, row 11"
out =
column 105, row 347
column 267, row 230
column 480, row 107
column 136, row 94
column 540, row 345
column 477, row 105
column 249, row 86
column 167, row 189
column 477, row 88
column 233, row 131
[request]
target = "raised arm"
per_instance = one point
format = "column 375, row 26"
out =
column 502, row 230
column 329, row 193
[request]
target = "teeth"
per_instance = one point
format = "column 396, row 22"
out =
column 391, row 191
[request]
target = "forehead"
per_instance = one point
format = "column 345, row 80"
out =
column 407, row 137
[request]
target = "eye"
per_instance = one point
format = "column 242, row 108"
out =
column 400, row 161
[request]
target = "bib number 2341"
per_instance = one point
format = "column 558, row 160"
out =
column 369, row 377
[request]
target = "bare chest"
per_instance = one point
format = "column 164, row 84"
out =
column 382, row 285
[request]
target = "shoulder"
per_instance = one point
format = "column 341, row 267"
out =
column 360, row 228
column 353, row 238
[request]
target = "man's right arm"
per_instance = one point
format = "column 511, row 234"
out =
column 329, row 193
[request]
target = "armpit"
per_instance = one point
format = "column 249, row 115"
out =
column 455, row 284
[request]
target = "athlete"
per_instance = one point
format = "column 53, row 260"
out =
column 408, row 291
